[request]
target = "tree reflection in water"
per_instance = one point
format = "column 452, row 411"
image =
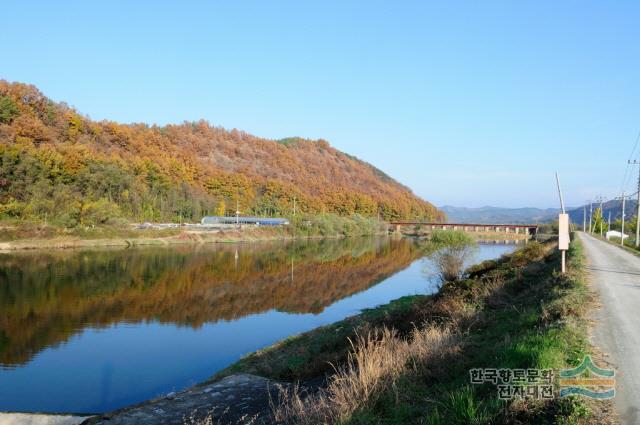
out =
column 45, row 298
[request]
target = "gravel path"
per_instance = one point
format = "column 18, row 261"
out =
column 615, row 273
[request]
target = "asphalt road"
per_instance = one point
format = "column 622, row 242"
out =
column 615, row 274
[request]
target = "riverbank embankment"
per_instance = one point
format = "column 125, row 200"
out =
column 15, row 236
column 183, row 237
column 515, row 313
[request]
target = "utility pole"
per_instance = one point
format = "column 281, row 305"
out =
column 584, row 218
column 622, row 230
column 635, row 162
column 638, row 212
column 601, row 215
column 294, row 205
column 560, row 193
column 563, row 228
column 590, row 217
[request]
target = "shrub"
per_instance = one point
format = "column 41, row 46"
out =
column 532, row 252
column 454, row 248
column 11, row 208
column 452, row 238
column 99, row 212
column 334, row 225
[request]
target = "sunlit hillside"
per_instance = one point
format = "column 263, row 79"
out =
column 60, row 166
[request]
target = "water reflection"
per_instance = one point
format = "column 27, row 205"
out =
column 46, row 298
column 92, row 331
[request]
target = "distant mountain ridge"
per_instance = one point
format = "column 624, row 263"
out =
column 498, row 215
column 529, row 215
column 609, row 208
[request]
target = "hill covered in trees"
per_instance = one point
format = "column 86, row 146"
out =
column 62, row 167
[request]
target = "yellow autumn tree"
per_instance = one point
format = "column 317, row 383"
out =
column 221, row 210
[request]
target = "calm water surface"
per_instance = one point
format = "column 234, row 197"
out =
column 92, row 331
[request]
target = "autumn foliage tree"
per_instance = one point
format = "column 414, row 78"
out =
column 58, row 165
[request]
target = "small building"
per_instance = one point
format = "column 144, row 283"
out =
column 615, row 234
column 258, row 221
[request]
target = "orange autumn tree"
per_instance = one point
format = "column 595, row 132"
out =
column 56, row 163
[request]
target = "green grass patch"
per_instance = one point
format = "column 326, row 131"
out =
column 532, row 319
column 520, row 313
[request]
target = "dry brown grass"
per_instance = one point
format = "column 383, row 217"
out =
column 381, row 357
column 450, row 265
column 377, row 360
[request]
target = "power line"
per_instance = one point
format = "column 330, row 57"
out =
column 627, row 175
column 635, row 146
column 635, row 162
column 622, row 222
column 614, row 198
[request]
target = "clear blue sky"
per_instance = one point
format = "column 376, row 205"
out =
column 468, row 103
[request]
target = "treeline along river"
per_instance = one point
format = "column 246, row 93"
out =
column 94, row 330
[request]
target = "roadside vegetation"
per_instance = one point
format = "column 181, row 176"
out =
column 629, row 230
column 600, row 225
column 629, row 243
column 409, row 361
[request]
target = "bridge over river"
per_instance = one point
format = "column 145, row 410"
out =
column 520, row 229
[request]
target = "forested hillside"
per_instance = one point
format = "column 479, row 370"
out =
column 59, row 166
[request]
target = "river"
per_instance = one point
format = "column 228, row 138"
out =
column 94, row 330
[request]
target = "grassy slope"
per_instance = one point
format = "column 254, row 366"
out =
column 532, row 318
column 523, row 315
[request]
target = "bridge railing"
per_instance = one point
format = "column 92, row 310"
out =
column 471, row 227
